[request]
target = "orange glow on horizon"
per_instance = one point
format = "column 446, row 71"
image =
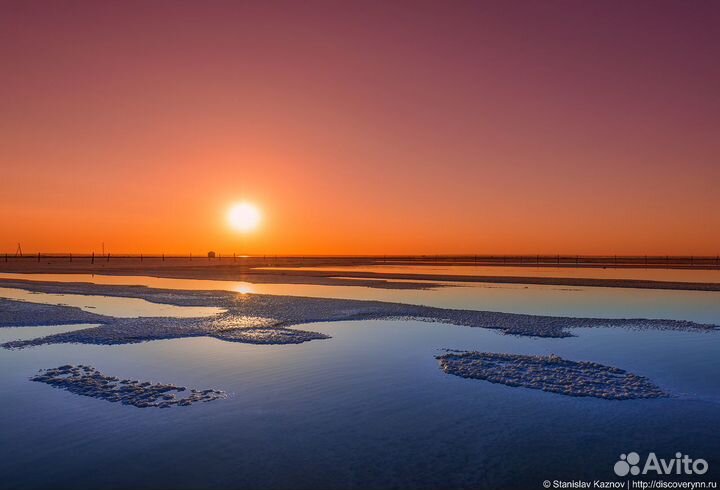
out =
column 455, row 128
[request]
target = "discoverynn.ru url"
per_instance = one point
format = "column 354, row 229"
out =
column 628, row 484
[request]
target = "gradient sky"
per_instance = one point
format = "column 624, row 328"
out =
column 361, row 127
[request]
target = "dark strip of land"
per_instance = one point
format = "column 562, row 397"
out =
column 251, row 269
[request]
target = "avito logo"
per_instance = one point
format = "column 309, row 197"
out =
column 679, row 465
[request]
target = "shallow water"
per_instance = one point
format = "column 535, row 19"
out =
column 368, row 408
column 699, row 306
column 109, row 305
column 675, row 275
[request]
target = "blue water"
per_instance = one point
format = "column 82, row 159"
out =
column 368, row 408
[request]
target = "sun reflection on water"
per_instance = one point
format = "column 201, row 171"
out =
column 245, row 288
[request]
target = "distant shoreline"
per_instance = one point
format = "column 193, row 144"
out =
column 247, row 269
column 692, row 262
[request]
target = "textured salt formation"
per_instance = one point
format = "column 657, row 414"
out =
column 16, row 313
column 258, row 318
column 551, row 373
column 270, row 336
column 88, row 381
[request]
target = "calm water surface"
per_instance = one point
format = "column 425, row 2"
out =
column 110, row 305
column 679, row 275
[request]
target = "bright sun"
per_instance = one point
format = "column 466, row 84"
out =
column 244, row 217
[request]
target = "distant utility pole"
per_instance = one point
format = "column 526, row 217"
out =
column 103, row 248
column 18, row 251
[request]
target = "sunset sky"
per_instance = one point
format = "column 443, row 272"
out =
column 589, row 127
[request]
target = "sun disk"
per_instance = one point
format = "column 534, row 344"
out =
column 244, row 217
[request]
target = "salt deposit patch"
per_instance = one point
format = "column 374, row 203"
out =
column 88, row 381
column 551, row 373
